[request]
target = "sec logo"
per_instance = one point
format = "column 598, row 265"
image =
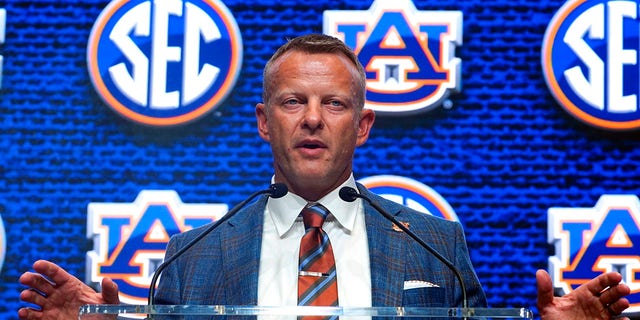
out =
column 590, row 62
column 164, row 63
column 410, row 193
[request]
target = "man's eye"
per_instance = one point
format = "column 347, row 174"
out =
column 335, row 103
column 291, row 102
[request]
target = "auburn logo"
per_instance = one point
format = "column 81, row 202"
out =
column 130, row 239
column 408, row 55
column 591, row 241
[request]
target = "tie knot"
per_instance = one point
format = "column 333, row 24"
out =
column 314, row 215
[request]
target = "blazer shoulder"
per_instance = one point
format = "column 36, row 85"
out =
column 246, row 216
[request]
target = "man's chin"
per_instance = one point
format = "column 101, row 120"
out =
column 312, row 181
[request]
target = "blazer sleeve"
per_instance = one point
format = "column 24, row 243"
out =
column 195, row 277
column 168, row 291
column 475, row 294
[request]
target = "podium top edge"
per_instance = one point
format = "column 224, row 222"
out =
column 225, row 310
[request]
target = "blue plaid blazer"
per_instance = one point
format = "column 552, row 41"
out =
column 223, row 268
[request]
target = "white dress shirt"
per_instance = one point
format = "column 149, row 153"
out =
column 283, row 229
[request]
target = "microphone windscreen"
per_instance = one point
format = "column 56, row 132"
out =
column 278, row 190
column 348, row 194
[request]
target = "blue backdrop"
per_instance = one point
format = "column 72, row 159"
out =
column 501, row 156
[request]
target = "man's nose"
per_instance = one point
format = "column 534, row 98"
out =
column 313, row 115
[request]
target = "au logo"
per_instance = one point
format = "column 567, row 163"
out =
column 164, row 63
column 129, row 239
column 410, row 193
column 408, row 55
column 590, row 241
column 590, row 62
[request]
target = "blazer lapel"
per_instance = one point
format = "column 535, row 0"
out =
column 386, row 252
column 241, row 244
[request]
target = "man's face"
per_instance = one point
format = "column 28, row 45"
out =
column 312, row 122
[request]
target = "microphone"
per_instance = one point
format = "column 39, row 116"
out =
column 349, row 194
column 276, row 190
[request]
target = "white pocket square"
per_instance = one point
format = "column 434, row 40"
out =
column 414, row 284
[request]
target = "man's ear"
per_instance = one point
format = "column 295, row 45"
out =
column 261, row 119
column 367, row 118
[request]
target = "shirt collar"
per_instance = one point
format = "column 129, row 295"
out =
column 284, row 211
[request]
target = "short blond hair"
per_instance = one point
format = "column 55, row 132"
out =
column 316, row 43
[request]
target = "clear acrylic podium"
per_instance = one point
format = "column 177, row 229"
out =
column 196, row 312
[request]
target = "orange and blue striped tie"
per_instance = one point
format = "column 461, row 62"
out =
column 317, row 282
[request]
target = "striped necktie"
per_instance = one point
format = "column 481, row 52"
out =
column 317, row 282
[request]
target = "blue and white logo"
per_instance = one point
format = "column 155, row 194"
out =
column 591, row 241
column 410, row 193
column 129, row 239
column 408, row 55
column 164, row 63
column 590, row 62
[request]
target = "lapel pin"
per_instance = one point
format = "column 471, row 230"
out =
column 396, row 228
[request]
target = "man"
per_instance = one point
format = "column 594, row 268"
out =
column 313, row 117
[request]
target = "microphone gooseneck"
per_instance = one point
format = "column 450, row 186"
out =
column 349, row 194
column 276, row 190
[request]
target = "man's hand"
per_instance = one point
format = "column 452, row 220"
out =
column 60, row 295
column 601, row 298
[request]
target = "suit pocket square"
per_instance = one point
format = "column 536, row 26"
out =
column 414, row 284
